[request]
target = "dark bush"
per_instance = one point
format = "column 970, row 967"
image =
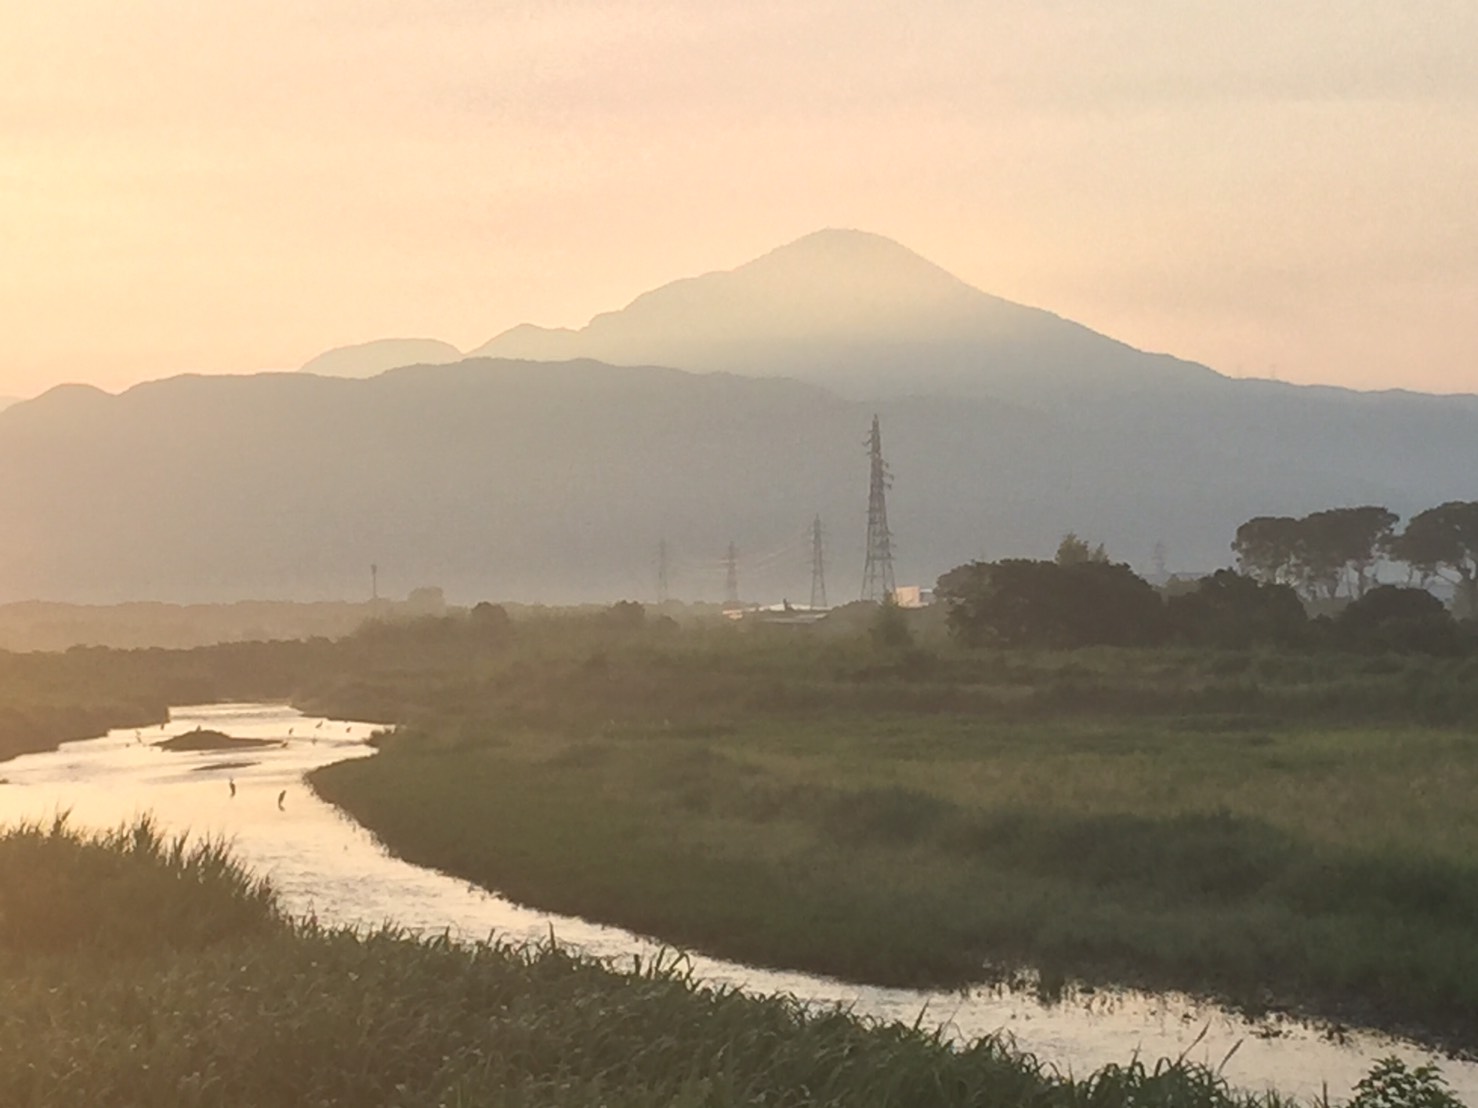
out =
column 1235, row 612
column 1018, row 602
column 1390, row 617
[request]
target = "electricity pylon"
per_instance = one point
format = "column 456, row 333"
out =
column 731, row 578
column 877, row 571
column 818, row 566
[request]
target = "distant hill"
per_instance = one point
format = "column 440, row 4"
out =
column 366, row 359
column 860, row 314
column 506, row 479
column 7, row 401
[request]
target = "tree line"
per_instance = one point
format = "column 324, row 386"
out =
column 1336, row 552
column 1081, row 598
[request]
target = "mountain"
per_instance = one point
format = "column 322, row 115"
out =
column 860, row 314
column 507, row 479
column 7, row 401
column 366, row 359
column 726, row 407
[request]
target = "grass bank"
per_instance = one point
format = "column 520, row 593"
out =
column 250, row 1009
column 1270, row 830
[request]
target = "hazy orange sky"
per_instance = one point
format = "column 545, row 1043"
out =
column 1276, row 189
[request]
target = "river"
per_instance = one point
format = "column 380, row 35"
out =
column 324, row 864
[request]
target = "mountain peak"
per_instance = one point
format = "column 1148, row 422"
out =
column 870, row 273
column 858, row 313
column 843, row 242
column 368, row 359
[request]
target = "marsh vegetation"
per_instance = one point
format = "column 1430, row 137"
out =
column 1275, row 829
column 118, row 994
column 1278, row 828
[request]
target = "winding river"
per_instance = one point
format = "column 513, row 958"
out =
column 323, row 864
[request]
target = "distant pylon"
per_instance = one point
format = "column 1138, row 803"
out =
column 1158, row 558
column 662, row 572
column 374, row 582
column 877, row 571
column 818, row 566
column 731, row 578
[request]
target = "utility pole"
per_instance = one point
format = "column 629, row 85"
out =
column 731, row 578
column 877, row 571
column 374, row 582
column 662, row 571
column 818, row 567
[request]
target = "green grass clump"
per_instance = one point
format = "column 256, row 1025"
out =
column 125, row 891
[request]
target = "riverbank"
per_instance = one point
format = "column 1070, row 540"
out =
column 1268, row 869
column 1219, row 824
column 50, row 699
column 1277, row 829
column 207, row 995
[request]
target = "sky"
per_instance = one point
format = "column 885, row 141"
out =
column 1275, row 189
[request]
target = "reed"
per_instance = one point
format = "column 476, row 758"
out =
column 268, row 1013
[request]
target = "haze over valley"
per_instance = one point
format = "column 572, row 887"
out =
column 729, row 407
column 798, row 553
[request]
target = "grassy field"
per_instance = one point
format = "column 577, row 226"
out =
column 1274, row 830
column 1285, row 829
column 161, row 974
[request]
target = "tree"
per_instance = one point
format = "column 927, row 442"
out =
column 626, row 615
column 1319, row 554
column 1073, row 551
column 1443, row 542
column 1390, row 617
column 1267, row 549
column 889, row 628
column 1341, row 546
column 1018, row 602
column 490, row 621
column 1109, row 603
column 965, row 589
column 1228, row 609
column 1024, row 605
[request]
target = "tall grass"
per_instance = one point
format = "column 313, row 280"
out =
column 122, row 891
column 328, row 1018
column 257, row 1012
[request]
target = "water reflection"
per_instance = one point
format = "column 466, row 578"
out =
column 325, row 865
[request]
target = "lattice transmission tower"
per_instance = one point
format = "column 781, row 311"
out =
column 877, row 571
column 731, row 577
column 818, row 566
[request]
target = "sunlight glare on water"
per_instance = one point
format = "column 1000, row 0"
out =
column 323, row 864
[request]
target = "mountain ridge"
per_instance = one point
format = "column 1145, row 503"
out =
column 366, row 359
column 554, row 482
column 857, row 313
